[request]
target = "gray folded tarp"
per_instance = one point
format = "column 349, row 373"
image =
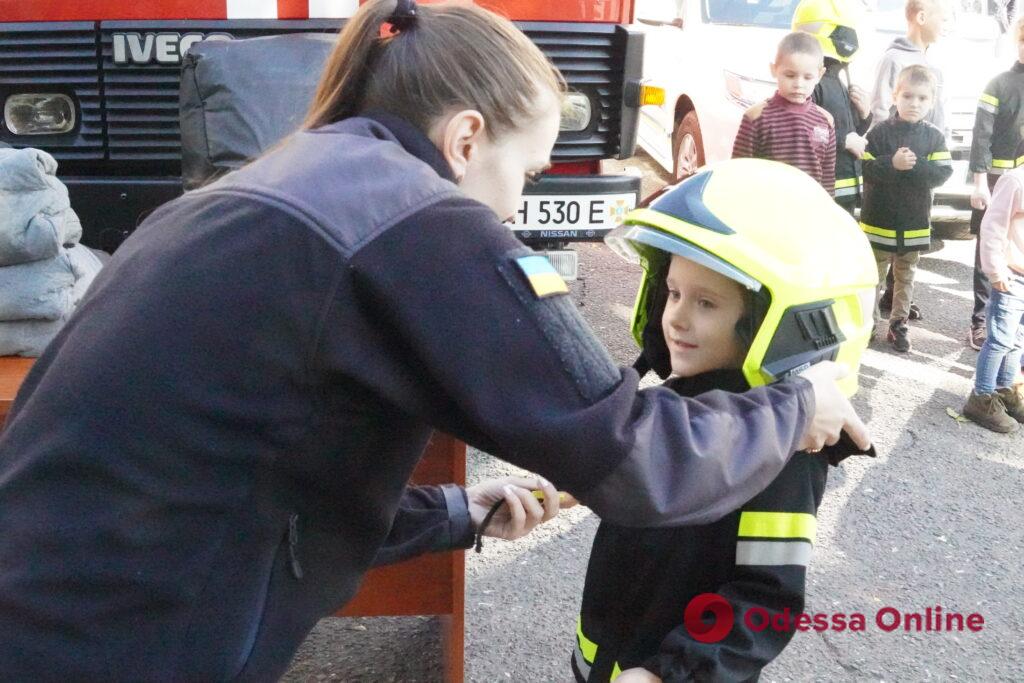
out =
column 36, row 218
column 240, row 97
column 47, row 289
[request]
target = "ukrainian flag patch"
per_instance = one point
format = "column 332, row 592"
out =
column 542, row 276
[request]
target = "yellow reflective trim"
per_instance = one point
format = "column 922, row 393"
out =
column 985, row 97
column 846, row 182
column 935, row 156
column 616, row 671
column 881, row 232
column 1002, row 163
column 924, row 232
column 868, row 156
column 1020, row 161
column 778, row 525
column 587, row 646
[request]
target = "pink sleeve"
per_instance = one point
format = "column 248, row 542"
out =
column 995, row 226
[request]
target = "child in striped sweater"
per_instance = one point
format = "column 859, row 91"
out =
column 789, row 127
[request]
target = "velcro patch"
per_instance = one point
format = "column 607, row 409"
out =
column 543, row 278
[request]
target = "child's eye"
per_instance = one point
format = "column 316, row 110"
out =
column 673, row 294
column 706, row 303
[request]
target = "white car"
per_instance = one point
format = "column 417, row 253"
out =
column 712, row 58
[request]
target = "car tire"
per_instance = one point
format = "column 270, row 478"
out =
column 687, row 147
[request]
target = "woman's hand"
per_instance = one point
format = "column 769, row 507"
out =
column 833, row 412
column 522, row 510
column 637, row 675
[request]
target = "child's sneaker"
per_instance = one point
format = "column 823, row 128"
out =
column 1013, row 401
column 915, row 312
column 899, row 335
column 989, row 411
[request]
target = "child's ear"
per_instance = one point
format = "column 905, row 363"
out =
column 821, row 71
column 771, row 67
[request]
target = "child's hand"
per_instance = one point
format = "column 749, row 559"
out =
column 637, row 675
column 855, row 144
column 859, row 99
column 980, row 197
column 522, row 510
column 904, row 159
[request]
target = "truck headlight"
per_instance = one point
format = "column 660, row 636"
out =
column 39, row 114
column 576, row 113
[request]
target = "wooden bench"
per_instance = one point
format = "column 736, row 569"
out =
column 431, row 584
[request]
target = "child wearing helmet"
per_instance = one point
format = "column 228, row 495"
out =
column 833, row 24
column 789, row 127
column 721, row 307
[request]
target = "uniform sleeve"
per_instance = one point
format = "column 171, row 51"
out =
column 477, row 344
column 876, row 163
column 984, row 119
column 881, row 94
column 746, row 139
column 934, row 169
column 993, row 237
column 774, row 541
column 828, row 163
column 429, row 519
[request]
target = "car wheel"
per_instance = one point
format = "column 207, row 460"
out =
column 687, row 147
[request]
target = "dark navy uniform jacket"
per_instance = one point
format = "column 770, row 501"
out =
column 214, row 449
column 832, row 95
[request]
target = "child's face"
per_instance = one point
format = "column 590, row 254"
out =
column 913, row 101
column 797, row 74
column 931, row 20
column 1020, row 46
column 700, row 319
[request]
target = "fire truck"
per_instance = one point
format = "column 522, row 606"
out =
column 96, row 84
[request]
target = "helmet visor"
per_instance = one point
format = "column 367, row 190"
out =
column 629, row 241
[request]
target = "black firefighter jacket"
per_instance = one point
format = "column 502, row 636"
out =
column 998, row 123
column 215, row 447
column 896, row 211
column 640, row 581
column 832, row 95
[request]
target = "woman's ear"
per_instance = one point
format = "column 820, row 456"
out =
column 457, row 137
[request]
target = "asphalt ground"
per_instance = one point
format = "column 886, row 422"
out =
column 935, row 520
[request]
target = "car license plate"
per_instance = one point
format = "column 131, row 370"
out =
column 571, row 216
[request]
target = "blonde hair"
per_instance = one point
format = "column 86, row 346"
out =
column 799, row 43
column 450, row 55
column 914, row 6
column 916, row 74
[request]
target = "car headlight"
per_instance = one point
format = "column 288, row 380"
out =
column 39, row 114
column 576, row 113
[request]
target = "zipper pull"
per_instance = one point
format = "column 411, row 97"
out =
column 293, row 546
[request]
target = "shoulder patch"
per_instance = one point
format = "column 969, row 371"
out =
column 754, row 113
column 543, row 278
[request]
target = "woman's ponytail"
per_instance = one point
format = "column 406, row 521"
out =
column 417, row 62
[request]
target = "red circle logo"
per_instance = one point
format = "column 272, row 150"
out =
column 716, row 627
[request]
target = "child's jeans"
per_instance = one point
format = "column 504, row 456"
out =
column 999, row 360
column 904, row 267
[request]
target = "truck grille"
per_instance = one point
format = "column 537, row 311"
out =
column 130, row 113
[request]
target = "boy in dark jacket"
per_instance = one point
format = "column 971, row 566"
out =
column 906, row 158
column 699, row 324
column 995, row 149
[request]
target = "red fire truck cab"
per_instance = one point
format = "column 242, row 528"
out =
column 95, row 83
